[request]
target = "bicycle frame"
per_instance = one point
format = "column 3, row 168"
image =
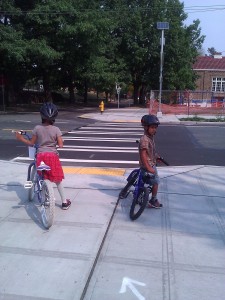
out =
column 142, row 189
column 39, row 182
column 140, row 183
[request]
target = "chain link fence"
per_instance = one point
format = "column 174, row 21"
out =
column 187, row 102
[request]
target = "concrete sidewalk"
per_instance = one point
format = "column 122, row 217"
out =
column 173, row 253
column 94, row 251
column 132, row 114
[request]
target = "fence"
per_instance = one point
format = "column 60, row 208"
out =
column 187, row 102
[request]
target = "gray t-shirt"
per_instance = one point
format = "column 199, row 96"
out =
column 47, row 138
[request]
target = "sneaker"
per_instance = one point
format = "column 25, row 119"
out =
column 67, row 204
column 154, row 204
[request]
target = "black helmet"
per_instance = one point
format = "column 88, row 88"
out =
column 148, row 120
column 49, row 111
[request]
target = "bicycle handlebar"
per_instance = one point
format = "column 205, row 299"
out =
column 20, row 132
column 163, row 160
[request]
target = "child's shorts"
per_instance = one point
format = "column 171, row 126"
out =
column 153, row 178
column 52, row 160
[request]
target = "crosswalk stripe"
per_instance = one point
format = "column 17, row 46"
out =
column 96, row 150
column 97, row 147
column 134, row 162
column 95, row 134
column 99, row 139
column 102, row 133
column 106, row 127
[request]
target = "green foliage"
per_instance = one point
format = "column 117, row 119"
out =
column 201, row 119
column 95, row 43
column 212, row 51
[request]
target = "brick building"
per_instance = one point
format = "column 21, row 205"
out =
column 211, row 81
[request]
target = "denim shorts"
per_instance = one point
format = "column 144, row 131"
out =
column 153, row 179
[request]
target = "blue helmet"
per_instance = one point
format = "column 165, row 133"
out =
column 148, row 120
column 49, row 111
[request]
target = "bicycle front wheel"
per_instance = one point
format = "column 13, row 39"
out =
column 48, row 204
column 125, row 191
column 138, row 205
column 33, row 178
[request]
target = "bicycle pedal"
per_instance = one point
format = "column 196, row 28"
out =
column 46, row 204
column 28, row 184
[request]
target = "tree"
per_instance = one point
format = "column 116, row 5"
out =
column 12, row 52
column 212, row 51
column 140, row 47
column 182, row 47
column 97, row 43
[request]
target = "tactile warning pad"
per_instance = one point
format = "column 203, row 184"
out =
column 94, row 171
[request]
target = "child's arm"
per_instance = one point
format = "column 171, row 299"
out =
column 30, row 142
column 144, row 159
column 60, row 141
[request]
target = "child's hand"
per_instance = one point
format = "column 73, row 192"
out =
column 18, row 135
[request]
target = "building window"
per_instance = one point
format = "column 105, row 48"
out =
column 218, row 84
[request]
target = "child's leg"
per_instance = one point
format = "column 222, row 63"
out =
column 154, row 191
column 65, row 202
column 60, row 188
column 154, row 202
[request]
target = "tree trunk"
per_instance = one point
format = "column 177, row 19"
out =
column 136, row 92
column 85, row 92
column 71, row 92
column 142, row 96
column 46, row 82
column 106, row 96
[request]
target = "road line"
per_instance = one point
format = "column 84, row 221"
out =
column 97, row 150
column 103, row 133
column 105, row 127
column 133, row 162
column 99, row 139
column 97, row 147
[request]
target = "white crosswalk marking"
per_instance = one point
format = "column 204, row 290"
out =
column 108, row 144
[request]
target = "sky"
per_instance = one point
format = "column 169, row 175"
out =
column 211, row 14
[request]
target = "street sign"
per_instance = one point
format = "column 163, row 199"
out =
column 162, row 25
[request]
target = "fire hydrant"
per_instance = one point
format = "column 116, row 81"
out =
column 101, row 106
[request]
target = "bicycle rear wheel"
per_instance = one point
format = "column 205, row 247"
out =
column 33, row 178
column 138, row 205
column 125, row 191
column 48, row 204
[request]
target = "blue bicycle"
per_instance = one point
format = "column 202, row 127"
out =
column 40, row 187
column 142, row 190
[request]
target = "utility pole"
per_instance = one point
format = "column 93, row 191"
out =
column 118, row 89
column 161, row 26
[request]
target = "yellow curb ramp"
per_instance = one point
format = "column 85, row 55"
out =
column 94, row 171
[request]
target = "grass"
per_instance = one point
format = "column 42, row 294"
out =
column 201, row 119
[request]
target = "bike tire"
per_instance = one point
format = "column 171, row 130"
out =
column 138, row 204
column 48, row 204
column 125, row 191
column 33, row 178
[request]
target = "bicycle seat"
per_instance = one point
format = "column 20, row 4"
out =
column 43, row 167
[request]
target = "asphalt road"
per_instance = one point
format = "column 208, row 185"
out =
column 192, row 144
column 180, row 144
column 11, row 148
